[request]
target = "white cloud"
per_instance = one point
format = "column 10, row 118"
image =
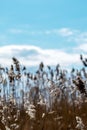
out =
column 62, row 31
column 70, row 34
column 65, row 32
column 33, row 55
column 47, row 56
column 16, row 31
column 82, row 48
column 78, row 37
column 25, row 31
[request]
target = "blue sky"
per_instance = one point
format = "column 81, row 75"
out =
column 51, row 31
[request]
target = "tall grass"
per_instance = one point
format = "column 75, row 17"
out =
column 45, row 100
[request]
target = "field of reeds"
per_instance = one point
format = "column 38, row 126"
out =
column 48, row 99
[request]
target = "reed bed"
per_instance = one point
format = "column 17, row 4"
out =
column 48, row 99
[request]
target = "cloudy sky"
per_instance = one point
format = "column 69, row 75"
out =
column 52, row 31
